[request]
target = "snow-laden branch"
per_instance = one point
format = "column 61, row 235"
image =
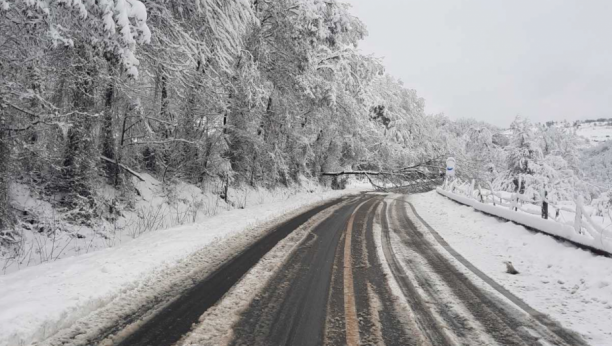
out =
column 126, row 168
column 335, row 174
column 168, row 141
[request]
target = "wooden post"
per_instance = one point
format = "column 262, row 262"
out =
column 471, row 194
column 492, row 193
column 514, row 202
column 578, row 219
column 544, row 205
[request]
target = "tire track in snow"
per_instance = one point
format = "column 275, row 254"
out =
column 552, row 326
column 447, row 307
column 428, row 325
column 380, row 320
column 500, row 320
column 350, row 309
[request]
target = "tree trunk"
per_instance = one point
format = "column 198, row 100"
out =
column 5, row 215
column 108, row 138
column 120, row 150
column 79, row 154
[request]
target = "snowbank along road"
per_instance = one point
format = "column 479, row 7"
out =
column 363, row 274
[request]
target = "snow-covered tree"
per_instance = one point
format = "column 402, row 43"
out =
column 524, row 153
column 218, row 92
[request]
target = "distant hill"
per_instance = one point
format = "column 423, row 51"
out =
column 594, row 130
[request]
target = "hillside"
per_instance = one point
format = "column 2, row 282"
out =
column 594, row 130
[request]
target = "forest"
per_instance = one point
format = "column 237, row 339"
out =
column 220, row 93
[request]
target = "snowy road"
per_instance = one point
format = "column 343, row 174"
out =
column 335, row 290
column 359, row 271
column 174, row 320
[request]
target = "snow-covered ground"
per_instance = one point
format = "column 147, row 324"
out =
column 571, row 285
column 595, row 232
column 595, row 132
column 47, row 234
column 39, row 301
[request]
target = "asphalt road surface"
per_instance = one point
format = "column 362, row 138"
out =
column 334, row 290
column 176, row 319
column 372, row 273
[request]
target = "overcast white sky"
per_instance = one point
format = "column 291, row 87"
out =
column 493, row 59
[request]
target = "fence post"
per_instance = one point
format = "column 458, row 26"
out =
column 578, row 219
column 516, row 201
column 544, row 205
column 492, row 193
column 472, row 188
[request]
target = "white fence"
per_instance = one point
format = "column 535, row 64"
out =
column 569, row 220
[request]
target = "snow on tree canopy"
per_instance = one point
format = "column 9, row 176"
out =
column 231, row 93
column 119, row 24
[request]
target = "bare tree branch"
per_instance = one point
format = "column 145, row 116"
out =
column 23, row 110
column 171, row 140
column 122, row 166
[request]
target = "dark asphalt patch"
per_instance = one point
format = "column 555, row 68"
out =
column 292, row 308
column 175, row 320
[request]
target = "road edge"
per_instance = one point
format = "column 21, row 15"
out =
column 142, row 301
column 540, row 317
